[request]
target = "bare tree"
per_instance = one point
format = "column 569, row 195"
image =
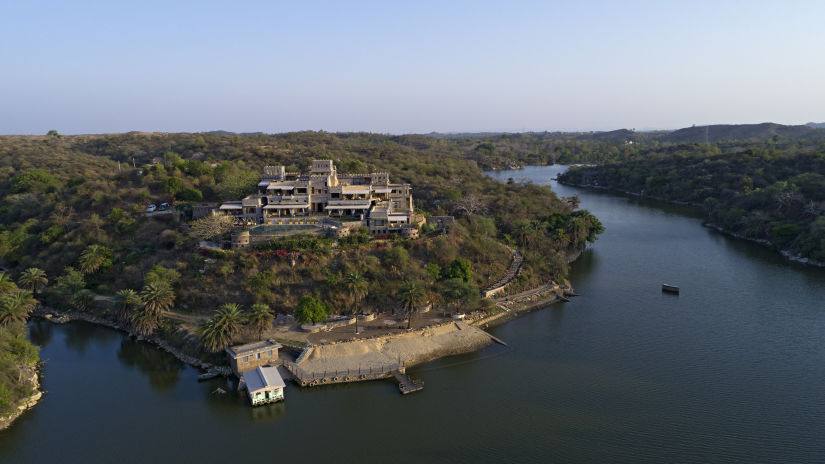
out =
column 470, row 204
column 210, row 227
column 62, row 214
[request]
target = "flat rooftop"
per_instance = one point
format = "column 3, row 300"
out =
column 252, row 348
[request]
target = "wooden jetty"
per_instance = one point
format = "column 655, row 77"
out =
column 496, row 339
column 670, row 288
column 405, row 384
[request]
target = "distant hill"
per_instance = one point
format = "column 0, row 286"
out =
column 619, row 135
column 720, row 132
column 695, row 134
column 223, row 132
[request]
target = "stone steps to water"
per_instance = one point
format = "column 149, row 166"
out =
column 512, row 272
column 304, row 353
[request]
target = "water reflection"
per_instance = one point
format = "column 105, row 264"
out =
column 267, row 412
column 161, row 368
column 78, row 337
column 41, row 332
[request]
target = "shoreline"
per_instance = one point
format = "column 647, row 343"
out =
column 26, row 403
column 61, row 317
column 406, row 349
column 788, row 255
column 447, row 346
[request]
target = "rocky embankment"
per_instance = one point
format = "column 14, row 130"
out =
column 391, row 351
column 27, row 403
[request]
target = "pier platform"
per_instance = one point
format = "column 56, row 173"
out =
column 405, row 384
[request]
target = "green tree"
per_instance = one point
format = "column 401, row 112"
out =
column 16, row 306
column 144, row 321
column 189, row 194
column 524, row 233
column 260, row 284
column 396, row 258
column 157, row 297
column 310, row 310
column 163, row 276
column 460, row 268
column 127, row 302
column 260, row 318
column 433, row 271
column 218, row 331
column 411, row 294
column 172, row 185
column 34, row 181
column 784, row 234
column 95, row 257
column 83, row 299
column 71, row 281
column 33, row 279
column 460, row 294
column 6, row 284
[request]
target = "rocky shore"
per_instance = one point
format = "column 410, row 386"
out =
column 26, row 403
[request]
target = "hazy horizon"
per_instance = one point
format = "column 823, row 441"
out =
column 97, row 67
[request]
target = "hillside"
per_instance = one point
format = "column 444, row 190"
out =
column 724, row 132
column 73, row 206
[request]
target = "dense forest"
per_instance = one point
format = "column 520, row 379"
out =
column 72, row 209
column 771, row 191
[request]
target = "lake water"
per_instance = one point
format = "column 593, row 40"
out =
column 731, row 370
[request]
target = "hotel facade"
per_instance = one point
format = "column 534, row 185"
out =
column 285, row 198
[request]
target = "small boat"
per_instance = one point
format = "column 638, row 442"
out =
column 670, row 288
column 209, row 375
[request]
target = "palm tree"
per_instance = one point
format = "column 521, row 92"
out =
column 15, row 306
column 157, row 297
column 260, row 318
column 92, row 259
column 230, row 318
column 218, row 331
column 83, row 299
column 126, row 302
column 6, row 284
column 411, row 294
column 524, row 232
column 145, row 321
column 356, row 285
column 211, row 338
column 33, row 279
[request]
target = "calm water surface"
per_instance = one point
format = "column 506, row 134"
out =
column 731, row 370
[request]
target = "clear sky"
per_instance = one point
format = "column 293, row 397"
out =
column 399, row 67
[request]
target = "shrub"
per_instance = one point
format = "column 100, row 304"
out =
column 310, row 310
